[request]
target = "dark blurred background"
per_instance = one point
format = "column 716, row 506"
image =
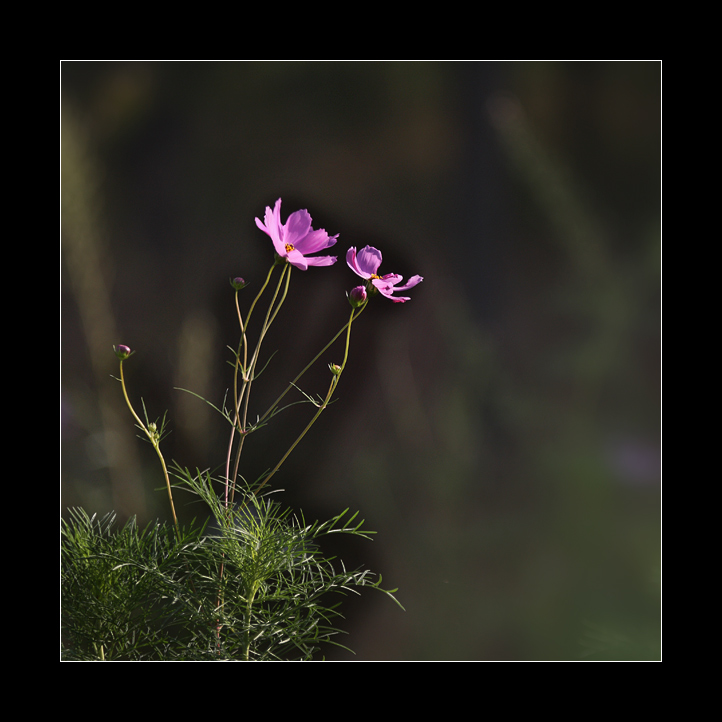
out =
column 500, row 431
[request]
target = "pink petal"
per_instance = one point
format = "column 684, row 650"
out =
column 297, row 227
column 387, row 290
column 297, row 259
column 273, row 218
column 365, row 263
column 413, row 281
column 278, row 245
column 369, row 260
column 320, row 260
column 273, row 227
column 316, row 241
column 351, row 261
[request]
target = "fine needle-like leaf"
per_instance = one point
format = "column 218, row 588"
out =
column 222, row 412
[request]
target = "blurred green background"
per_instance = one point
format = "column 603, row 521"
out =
column 501, row 431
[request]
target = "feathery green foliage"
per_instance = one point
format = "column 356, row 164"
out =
column 131, row 594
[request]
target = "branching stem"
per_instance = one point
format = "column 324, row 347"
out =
column 334, row 382
column 249, row 369
column 154, row 438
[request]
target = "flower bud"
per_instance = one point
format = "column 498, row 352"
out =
column 357, row 297
column 335, row 369
column 122, row 352
column 238, row 283
column 153, row 432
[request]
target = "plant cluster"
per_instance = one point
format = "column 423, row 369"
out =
column 254, row 583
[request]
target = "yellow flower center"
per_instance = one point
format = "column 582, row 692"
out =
column 373, row 275
column 289, row 248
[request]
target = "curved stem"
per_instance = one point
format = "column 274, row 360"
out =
column 258, row 296
column 156, row 445
column 243, row 342
column 247, row 632
column 312, row 362
column 155, row 441
column 236, row 402
column 127, row 401
column 248, row 373
column 248, row 378
column 242, row 345
column 334, row 383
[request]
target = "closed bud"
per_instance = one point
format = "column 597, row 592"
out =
column 357, row 297
column 335, row 369
column 122, row 352
column 238, row 283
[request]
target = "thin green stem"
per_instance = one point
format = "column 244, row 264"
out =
column 238, row 398
column 334, row 383
column 249, row 376
column 243, row 344
column 154, row 439
column 311, row 363
column 249, row 610
column 260, row 293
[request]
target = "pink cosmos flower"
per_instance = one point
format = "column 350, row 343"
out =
column 295, row 238
column 366, row 263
